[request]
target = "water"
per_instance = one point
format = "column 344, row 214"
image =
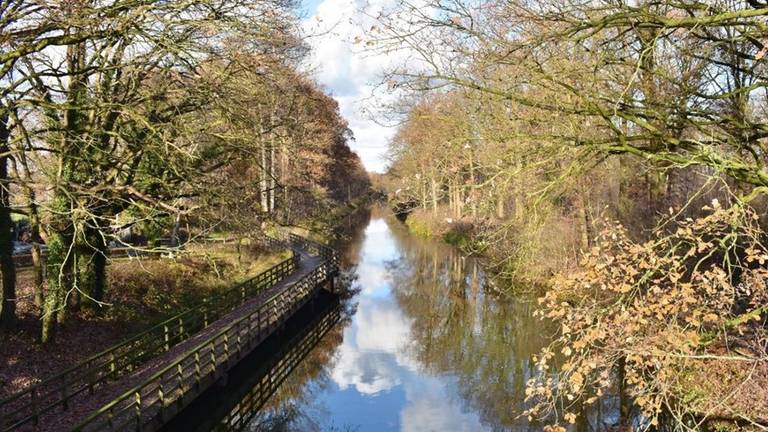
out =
column 421, row 347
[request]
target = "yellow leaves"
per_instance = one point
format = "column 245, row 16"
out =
column 693, row 339
column 556, row 313
column 753, row 254
column 576, row 381
column 674, row 276
column 703, row 246
column 570, row 418
column 659, row 301
column 554, row 428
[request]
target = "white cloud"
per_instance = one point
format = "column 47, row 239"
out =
column 368, row 373
column 372, row 357
column 349, row 73
column 373, row 354
column 430, row 408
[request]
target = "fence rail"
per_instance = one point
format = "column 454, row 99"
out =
column 314, row 248
column 279, row 368
column 165, row 392
column 26, row 260
column 57, row 391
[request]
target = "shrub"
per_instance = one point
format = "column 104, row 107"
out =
column 645, row 315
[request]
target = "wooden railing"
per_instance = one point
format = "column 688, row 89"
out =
column 26, row 260
column 275, row 371
column 156, row 399
column 314, row 248
column 57, row 391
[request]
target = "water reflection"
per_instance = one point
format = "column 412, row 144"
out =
column 425, row 349
column 458, row 331
column 268, row 375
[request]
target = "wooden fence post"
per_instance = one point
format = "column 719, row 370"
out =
column 197, row 368
column 35, row 416
column 167, row 338
column 205, row 312
column 137, row 410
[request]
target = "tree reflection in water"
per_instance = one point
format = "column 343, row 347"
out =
column 486, row 340
column 457, row 328
column 273, row 376
column 424, row 347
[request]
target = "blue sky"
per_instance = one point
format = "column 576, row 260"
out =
column 346, row 72
column 309, row 7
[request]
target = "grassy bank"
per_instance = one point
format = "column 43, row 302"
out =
column 140, row 292
column 521, row 254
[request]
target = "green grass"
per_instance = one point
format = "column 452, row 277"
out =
column 148, row 289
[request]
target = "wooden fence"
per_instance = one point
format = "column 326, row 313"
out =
column 276, row 371
column 148, row 405
column 314, row 248
column 57, row 391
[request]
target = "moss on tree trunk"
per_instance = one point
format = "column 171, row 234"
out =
column 91, row 263
column 7, row 267
column 59, row 266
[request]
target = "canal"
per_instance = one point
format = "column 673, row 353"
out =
column 420, row 345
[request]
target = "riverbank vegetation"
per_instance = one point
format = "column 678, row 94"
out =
column 614, row 154
column 143, row 291
column 149, row 126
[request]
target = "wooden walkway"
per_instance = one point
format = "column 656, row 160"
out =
column 252, row 383
column 150, row 394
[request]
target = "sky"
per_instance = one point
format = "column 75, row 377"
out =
column 347, row 72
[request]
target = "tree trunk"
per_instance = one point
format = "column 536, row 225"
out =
column 434, row 196
column 175, row 232
column 60, row 226
column 263, row 185
column 7, row 266
column 500, row 210
column 473, row 189
column 625, row 403
column 459, row 200
column 283, row 179
column 37, row 268
column 36, row 239
column 33, row 213
column 586, row 223
column 272, row 182
column 91, row 268
column 59, row 266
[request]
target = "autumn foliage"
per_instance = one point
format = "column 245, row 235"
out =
column 643, row 316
